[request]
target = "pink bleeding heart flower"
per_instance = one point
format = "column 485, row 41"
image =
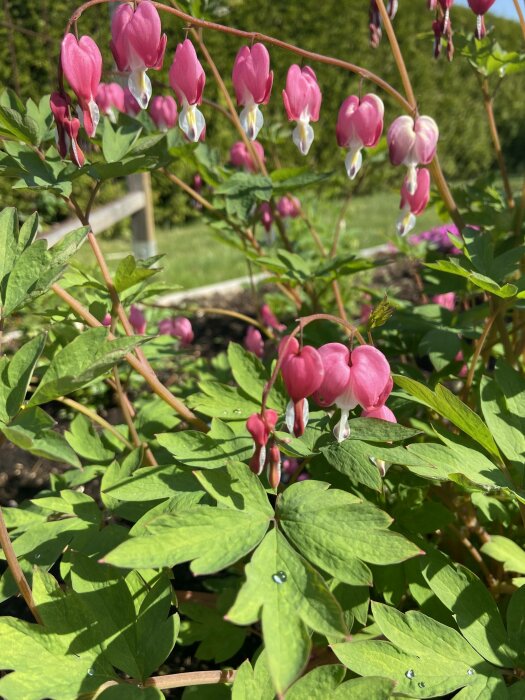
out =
column 67, row 129
column 269, row 319
column 131, row 106
column 374, row 21
column 240, row 156
column 274, row 466
column 260, row 425
column 361, row 376
column 302, row 101
column 447, row 300
column 253, row 341
column 289, row 207
column 413, row 204
column 303, row 372
column 82, row 65
column 252, row 81
column 187, row 78
column 359, row 124
column 163, row 111
column 182, row 329
column 110, row 99
column 479, row 7
column 137, row 320
column 137, row 44
column 381, row 413
column 267, row 220
column 412, row 142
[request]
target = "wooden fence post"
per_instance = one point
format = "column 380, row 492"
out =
column 143, row 221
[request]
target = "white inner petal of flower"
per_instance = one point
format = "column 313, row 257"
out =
column 252, row 120
column 140, row 87
column 406, row 221
column 342, row 429
column 353, row 161
column 303, row 136
column 191, row 121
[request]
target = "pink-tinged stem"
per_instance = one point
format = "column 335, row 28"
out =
column 16, row 570
column 144, row 370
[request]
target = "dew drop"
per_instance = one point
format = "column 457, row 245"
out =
column 470, row 672
column 420, row 684
column 237, row 411
column 279, row 577
column 410, row 673
column 37, row 556
column 91, row 672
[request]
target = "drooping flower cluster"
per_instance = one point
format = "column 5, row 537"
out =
column 374, row 20
column 442, row 25
column 138, row 45
column 413, row 142
column 335, row 376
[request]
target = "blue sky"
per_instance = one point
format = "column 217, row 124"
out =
column 503, row 8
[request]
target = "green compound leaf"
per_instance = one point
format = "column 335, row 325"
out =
column 85, row 358
column 289, row 596
column 212, row 538
column 253, row 683
column 472, row 606
column 449, row 406
column 337, row 531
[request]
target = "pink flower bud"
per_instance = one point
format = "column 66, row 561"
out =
column 110, row 99
column 413, row 204
column 360, row 123
column 67, row 129
column 131, row 106
column 381, row 412
column 240, row 157
column 197, row 182
column 289, row 207
column 163, row 111
column 182, row 329
column 252, row 81
column 269, row 319
column 187, row 79
column 260, row 426
column 137, row 45
column 82, row 65
column 447, row 300
column 106, row 321
column 361, row 376
column 137, row 320
column 303, row 372
column 274, row 466
column 302, row 101
column 266, row 216
column 253, row 341
column 479, row 7
column 411, row 142
column 464, row 369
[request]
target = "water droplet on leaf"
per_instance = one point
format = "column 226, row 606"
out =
column 237, row 411
column 420, row 684
column 410, row 673
column 91, row 672
column 470, row 672
column 37, row 556
column 279, row 577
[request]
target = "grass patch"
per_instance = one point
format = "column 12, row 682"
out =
column 195, row 257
